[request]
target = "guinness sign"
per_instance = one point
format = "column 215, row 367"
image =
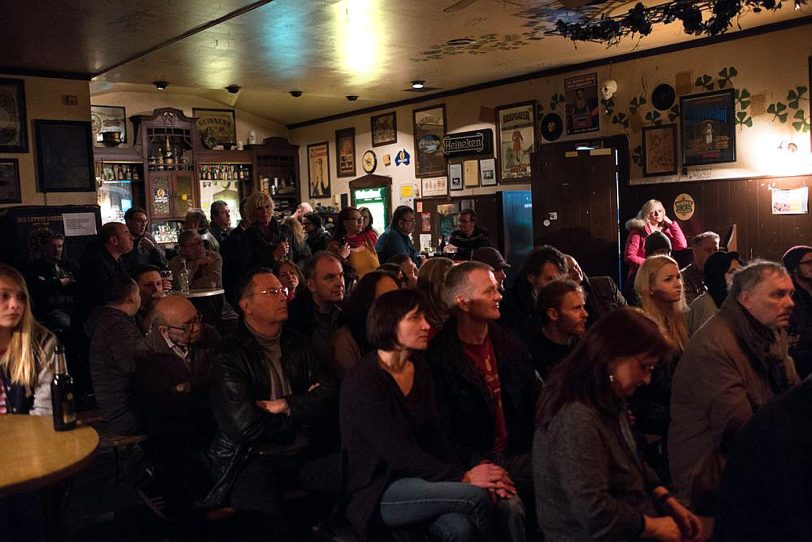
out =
column 477, row 142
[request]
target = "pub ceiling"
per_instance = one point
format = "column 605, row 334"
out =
column 327, row 49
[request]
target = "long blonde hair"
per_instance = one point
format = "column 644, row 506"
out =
column 296, row 230
column 28, row 338
column 671, row 318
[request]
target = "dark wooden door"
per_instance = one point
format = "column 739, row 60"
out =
column 575, row 207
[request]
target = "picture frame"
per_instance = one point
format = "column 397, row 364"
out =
column 487, row 172
column 455, row 177
column 433, row 186
column 516, row 131
column 64, row 156
column 429, row 129
column 384, row 129
column 13, row 126
column 10, row 181
column 218, row 124
column 660, row 150
column 582, row 99
column 318, row 170
column 345, row 152
column 108, row 118
column 470, row 173
column 708, row 128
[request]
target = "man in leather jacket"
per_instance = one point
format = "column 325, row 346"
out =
column 271, row 397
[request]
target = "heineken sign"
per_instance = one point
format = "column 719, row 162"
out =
column 478, row 142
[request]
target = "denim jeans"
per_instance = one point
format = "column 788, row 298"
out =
column 455, row 511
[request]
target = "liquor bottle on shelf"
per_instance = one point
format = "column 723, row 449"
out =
column 63, row 401
column 135, row 176
column 169, row 157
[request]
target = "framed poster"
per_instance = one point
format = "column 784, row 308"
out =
column 455, row 176
column 433, row 186
column 64, row 156
column 345, row 152
column 384, row 129
column 660, row 150
column 487, row 172
column 13, row 126
column 429, row 130
column 708, row 128
column 581, row 96
column 219, row 124
column 470, row 173
column 318, row 170
column 108, row 118
column 10, row 181
column 516, row 126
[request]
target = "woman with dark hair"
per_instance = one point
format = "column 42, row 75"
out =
column 431, row 284
column 352, row 244
column 366, row 214
column 317, row 236
column 398, row 468
column 349, row 342
column 719, row 269
column 590, row 482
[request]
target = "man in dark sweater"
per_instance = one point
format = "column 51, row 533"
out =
column 602, row 294
column 562, row 308
column 469, row 236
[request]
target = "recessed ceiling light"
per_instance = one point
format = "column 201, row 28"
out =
column 459, row 42
column 161, row 85
column 418, row 84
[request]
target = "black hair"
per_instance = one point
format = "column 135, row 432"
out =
column 128, row 214
column 119, row 289
column 400, row 212
column 314, row 218
column 144, row 268
column 552, row 295
column 385, row 314
column 539, row 256
column 357, row 306
column 716, row 266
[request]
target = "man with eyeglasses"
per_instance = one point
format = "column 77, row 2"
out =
column 272, row 398
column 172, row 387
column 798, row 261
column 397, row 239
column 468, row 237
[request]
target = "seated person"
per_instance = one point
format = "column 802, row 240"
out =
column 112, row 345
column 269, row 394
column 52, row 280
column 408, row 269
column 205, row 267
column 398, row 465
column 562, row 308
column 602, row 295
column 151, row 288
column 468, row 237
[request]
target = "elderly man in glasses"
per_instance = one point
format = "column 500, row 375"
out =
column 272, row 399
column 172, row 387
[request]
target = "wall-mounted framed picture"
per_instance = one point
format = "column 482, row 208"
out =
column 433, row 186
column 384, row 129
column 455, row 176
column 470, row 173
column 216, row 127
column 487, row 172
column 708, row 128
column 64, row 156
column 318, row 170
column 10, row 181
column 345, row 152
column 516, row 129
column 108, row 118
column 660, row 150
column 13, row 126
column 429, row 130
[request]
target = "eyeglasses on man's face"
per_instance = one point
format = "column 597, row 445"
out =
column 189, row 326
column 270, row 292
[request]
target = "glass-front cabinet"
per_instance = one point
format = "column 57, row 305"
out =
column 277, row 172
column 224, row 181
column 119, row 183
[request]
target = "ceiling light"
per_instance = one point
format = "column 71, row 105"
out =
column 161, row 85
column 459, row 42
column 296, row 93
column 418, row 84
column 233, row 89
column 352, row 98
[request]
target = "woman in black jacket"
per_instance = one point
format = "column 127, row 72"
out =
column 397, row 465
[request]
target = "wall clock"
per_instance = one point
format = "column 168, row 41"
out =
column 369, row 161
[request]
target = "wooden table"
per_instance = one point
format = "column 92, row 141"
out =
column 35, row 456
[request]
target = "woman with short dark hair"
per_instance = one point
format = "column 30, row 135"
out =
column 719, row 269
column 590, row 482
column 398, row 467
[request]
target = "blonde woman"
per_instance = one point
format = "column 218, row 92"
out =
column 658, row 285
column 26, row 351
column 293, row 231
column 430, row 283
column 651, row 218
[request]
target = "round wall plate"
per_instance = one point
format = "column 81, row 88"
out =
column 552, row 126
column 663, row 96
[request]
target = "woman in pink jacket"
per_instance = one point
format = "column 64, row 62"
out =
column 650, row 218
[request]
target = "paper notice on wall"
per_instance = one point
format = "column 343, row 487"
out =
column 425, row 241
column 79, row 224
column 794, row 201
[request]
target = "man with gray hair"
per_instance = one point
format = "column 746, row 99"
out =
column 486, row 387
column 731, row 367
column 693, row 275
column 205, row 267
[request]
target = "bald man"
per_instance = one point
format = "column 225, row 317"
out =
column 172, row 387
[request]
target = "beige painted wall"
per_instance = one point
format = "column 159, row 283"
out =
column 768, row 65
column 44, row 100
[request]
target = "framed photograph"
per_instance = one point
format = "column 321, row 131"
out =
column 10, row 181
column 216, row 127
column 13, row 126
column 345, row 152
column 429, row 130
column 318, row 170
column 516, row 128
column 433, row 186
column 708, row 128
column 660, row 150
column 64, row 156
column 470, row 173
column 581, row 95
column 487, row 172
column 106, row 118
column 384, row 129
column 455, row 176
